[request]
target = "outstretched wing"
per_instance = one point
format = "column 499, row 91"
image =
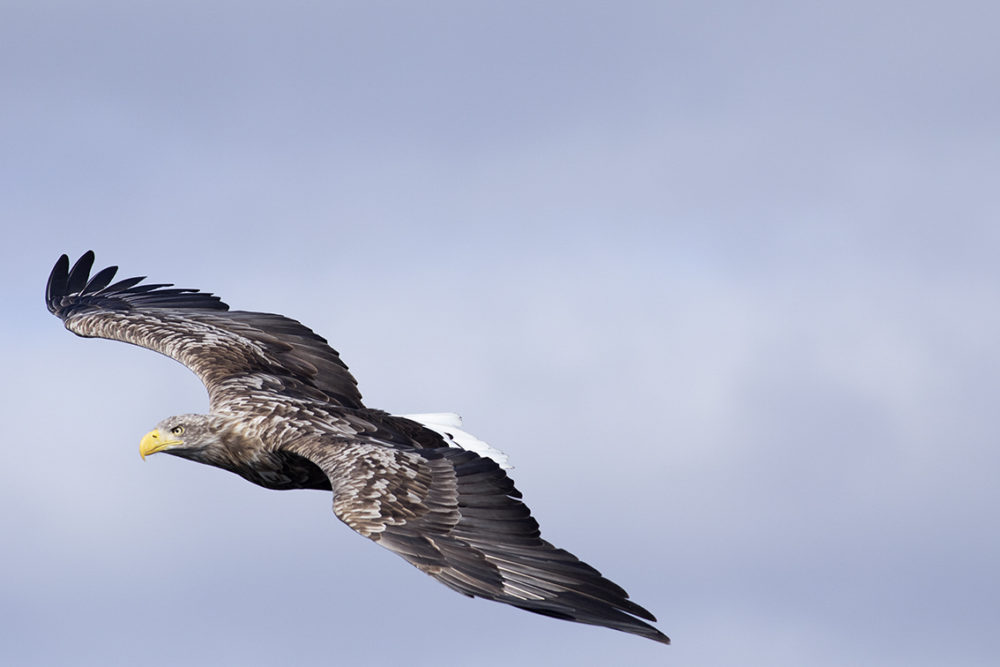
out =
column 236, row 354
column 457, row 516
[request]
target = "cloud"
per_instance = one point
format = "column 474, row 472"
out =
column 722, row 285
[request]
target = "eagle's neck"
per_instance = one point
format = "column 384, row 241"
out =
column 242, row 449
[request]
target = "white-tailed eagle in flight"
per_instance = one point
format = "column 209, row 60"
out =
column 285, row 413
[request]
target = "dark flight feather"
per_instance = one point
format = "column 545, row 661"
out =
column 100, row 280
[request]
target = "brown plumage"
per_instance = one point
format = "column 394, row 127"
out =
column 285, row 413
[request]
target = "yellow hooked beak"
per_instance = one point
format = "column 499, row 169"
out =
column 152, row 443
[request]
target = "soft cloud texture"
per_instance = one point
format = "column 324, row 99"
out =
column 721, row 280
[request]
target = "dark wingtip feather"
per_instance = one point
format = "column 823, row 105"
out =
column 122, row 285
column 608, row 618
column 56, row 286
column 101, row 280
column 80, row 272
column 70, row 290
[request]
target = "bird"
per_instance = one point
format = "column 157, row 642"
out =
column 286, row 413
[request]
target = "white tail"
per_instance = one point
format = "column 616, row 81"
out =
column 447, row 423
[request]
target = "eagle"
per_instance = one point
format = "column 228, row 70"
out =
column 285, row 413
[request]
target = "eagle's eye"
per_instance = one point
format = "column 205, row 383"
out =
column 177, row 430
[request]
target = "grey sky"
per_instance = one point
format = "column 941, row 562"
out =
column 720, row 280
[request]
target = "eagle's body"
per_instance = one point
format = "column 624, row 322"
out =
column 285, row 413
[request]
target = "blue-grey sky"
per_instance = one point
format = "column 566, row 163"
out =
column 721, row 280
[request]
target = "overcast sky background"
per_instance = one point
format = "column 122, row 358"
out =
column 721, row 279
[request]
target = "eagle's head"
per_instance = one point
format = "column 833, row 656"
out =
column 193, row 437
